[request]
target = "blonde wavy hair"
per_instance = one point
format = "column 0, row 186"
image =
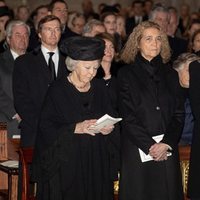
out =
column 131, row 49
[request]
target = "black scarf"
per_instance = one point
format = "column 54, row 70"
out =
column 151, row 67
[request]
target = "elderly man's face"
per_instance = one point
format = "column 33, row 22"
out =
column 162, row 18
column 184, row 77
column 19, row 39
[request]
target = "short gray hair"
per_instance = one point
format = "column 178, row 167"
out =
column 157, row 8
column 13, row 23
column 184, row 58
column 90, row 25
column 71, row 63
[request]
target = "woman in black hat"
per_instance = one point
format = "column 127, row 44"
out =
column 72, row 161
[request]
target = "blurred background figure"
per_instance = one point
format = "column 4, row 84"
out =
column 137, row 16
column 163, row 16
column 109, row 20
column 88, row 10
column 77, row 23
column 195, row 43
column 121, row 28
column 184, row 21
column 5, row 16
column 2, row 3
column 147, row 7
column 23, row 13
column 172, row 28
column 59, row 8
column 39, row 13
column 93, row 27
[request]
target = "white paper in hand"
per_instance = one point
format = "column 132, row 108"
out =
column 104, row 121
column 144, row 157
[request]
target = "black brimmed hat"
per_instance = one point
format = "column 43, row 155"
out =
column 83, row 48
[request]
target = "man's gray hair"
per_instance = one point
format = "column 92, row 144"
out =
column 14, row 23
column 90, row 25
column 157, row 8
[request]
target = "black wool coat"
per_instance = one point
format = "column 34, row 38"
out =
column 7, row 110
column 149, row 107
column 31, row 79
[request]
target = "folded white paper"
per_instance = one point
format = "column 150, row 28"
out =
column 16, row 136
column 10, row 163
column 104, row 121
column 146, row 157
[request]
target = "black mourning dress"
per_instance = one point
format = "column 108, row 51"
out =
column 72, row 166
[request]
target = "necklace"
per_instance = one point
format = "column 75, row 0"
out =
column 85, row 87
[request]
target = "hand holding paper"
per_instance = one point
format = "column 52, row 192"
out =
column 105, row 124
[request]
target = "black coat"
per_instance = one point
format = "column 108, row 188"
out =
column 7, row 110
column 74, row 166
column 194, row 96
column 149, row 107
column 31, row 79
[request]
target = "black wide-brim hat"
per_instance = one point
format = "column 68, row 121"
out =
column 83, row 48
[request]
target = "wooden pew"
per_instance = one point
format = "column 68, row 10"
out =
column 8, row 151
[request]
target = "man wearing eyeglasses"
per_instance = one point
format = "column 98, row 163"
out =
column 33, row 73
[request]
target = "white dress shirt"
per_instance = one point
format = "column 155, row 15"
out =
column 55, row 57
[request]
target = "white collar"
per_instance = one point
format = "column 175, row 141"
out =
column 14, row 54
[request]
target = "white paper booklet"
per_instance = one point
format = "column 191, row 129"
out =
column 144, row 157
column 106, row 120
column 16, row 136
column 10, row 163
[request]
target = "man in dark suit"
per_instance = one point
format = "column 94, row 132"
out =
column 17, row 37
column 33, row 74
column 131, row 22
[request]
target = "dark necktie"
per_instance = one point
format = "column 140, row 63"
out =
column 52, row 66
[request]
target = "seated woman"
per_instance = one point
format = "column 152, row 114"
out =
column 72, row 161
